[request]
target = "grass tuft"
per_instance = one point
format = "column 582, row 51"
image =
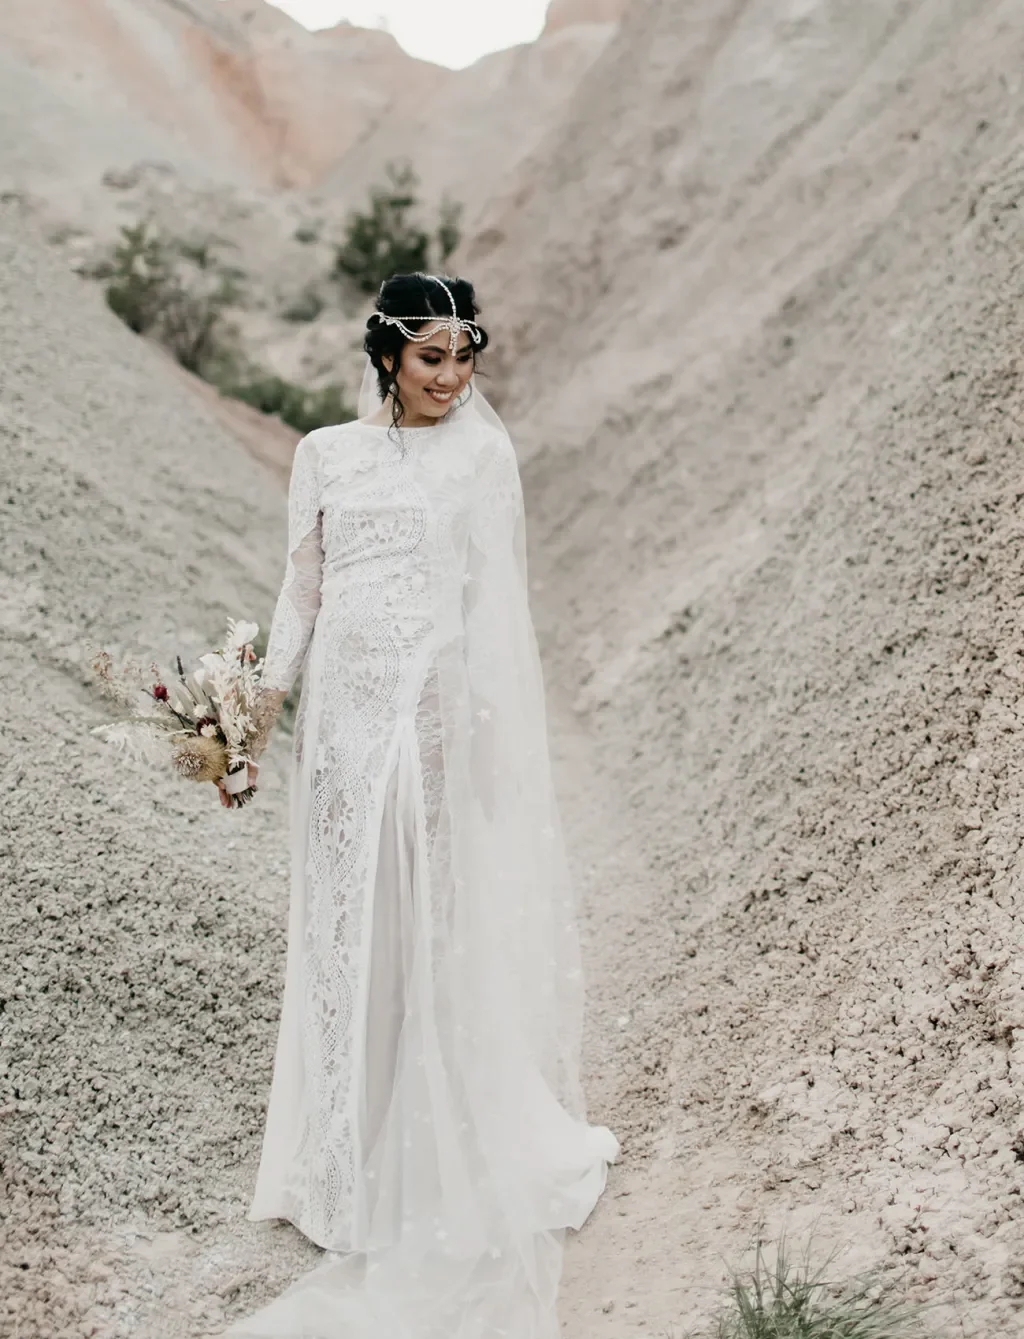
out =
column 779, row 1300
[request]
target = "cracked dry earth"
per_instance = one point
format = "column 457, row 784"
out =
column 778, row 585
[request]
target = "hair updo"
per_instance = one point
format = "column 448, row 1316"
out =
column 415, row 298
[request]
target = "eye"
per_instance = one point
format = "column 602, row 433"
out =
column 427, row 358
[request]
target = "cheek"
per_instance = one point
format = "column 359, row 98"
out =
column 420, row 373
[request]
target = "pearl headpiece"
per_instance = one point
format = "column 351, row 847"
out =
column 454, row 324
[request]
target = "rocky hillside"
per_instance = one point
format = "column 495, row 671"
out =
column 569, row 13
column 323, row 92
column 772, row 407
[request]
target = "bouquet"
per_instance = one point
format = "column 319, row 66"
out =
column 203, row 723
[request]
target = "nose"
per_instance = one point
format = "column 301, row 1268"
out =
column 447, row 376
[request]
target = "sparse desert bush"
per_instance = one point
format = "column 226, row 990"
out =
column 780, row 1300
column 147, row 289
column 386, row 239
column 301, row 408
column 188, row 327
column 140, row 275
column 200, row 251
column 449, row 229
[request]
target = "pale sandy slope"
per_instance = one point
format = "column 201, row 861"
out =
column 760, row 314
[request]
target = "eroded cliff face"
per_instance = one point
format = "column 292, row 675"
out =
column 89, row 86
column 469, row 134
column 237, row 91
column 757, row 320
column 325, row 91
column 569, row 13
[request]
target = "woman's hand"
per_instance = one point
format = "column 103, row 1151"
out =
column 225, row 798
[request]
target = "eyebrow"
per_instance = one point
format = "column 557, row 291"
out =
column 436, row 348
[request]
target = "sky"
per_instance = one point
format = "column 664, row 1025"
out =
column 450, row 32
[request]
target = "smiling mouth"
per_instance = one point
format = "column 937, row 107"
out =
column 442, row 397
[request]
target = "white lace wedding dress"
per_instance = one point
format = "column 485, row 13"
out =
column 425, row 1123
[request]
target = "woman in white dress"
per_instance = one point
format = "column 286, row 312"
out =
column 425, row 1124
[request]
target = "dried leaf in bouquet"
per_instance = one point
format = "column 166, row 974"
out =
column 124, row 683
column 143, row 738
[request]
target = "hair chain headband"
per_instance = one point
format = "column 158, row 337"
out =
column 454, row 324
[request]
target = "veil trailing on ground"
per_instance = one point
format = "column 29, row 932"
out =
column 471, row 1154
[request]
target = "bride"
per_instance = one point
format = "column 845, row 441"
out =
column 425, row 1124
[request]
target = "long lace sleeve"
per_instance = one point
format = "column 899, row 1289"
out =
column 299, row 601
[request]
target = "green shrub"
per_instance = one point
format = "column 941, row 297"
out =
column 190, row 327
column 386, row 240
column 449, row 229
column 140, row 276
column 200, row 253
column 295, row 405
column 147, row 291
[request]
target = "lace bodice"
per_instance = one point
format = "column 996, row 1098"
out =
column 351, row 485
column 345, row 506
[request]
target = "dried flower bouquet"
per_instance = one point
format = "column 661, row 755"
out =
column 206, row 723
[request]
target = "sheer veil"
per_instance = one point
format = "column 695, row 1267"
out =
column 478, row 1155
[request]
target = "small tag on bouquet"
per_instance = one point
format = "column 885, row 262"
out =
column 238, row 780
column 236, row 785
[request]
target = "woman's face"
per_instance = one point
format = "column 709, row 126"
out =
column 430, row 376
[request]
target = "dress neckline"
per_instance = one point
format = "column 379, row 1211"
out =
column 386, row 427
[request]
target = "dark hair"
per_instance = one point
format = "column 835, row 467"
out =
column 420, row 298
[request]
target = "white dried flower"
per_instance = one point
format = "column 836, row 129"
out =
column 241, row 633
